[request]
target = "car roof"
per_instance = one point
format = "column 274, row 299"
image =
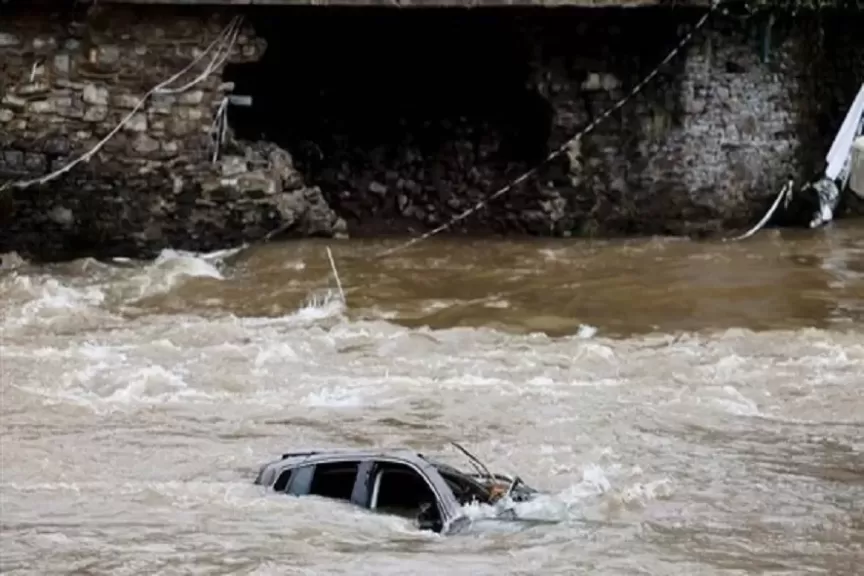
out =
column 309, row 456
column 348, row 454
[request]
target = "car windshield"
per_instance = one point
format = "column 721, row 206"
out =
column 465, row 489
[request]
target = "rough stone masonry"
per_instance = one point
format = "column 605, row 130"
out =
column 67, row 80
column 703, row 149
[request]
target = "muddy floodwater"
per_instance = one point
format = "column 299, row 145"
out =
column 690, row 407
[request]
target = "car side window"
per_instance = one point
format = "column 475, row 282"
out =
column 283, row 479
column 333, row 480
column 400, row 489
column 299, row 480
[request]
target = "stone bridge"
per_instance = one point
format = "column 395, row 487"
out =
column 330, row 121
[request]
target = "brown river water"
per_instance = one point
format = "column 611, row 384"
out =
column 690, row 407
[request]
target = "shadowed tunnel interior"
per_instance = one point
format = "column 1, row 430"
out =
column 400, row 103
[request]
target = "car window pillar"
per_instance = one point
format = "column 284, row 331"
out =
column 360, row 494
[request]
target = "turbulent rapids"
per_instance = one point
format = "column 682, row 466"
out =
column 687, row 408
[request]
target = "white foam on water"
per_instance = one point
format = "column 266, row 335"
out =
column 296, row 265
column 170, row 269
column 51, row 295
column 190, row 264
column 435, row 305
column 586, row 331
column 151, row 382
column 553, row 255
column 113, row 384
column 686, row 431
column 381, row 313
column 48, row 302
column 173, row 369
column 736, row 403
column 217, row 255
column 320, row 305
column 576, row 500
column 333, row 398
column 596, row 350
column 275, row 353
column 40, row 299
column 639, row 494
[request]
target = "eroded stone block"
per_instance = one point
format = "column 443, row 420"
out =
column 193, row 97
column 144, row 144
column 62, row 64
column 13, row 102
column 13, row 158
column 8, row 40
column 127, row 101
column 107, row 54
column 162, row 103
column 41, row 107
column 33, row 88
column 137, row 123
column 95, row 113
column 95, row 95
column 233, row 165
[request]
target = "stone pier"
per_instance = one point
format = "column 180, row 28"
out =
column 368, row 122
column 68, row 79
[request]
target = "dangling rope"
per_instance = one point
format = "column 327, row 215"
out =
column 561, row 149
column 785, row 193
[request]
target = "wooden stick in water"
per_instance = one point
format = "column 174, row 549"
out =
column 336, row 275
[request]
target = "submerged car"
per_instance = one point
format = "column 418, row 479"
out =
column 400, row 482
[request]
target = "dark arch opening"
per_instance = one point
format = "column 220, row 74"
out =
column 390, row 110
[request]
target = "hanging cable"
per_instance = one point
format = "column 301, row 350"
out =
column 224, row 41
column 561, row 149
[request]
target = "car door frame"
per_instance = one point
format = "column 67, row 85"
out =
column 445, row 501
column 302, row 476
